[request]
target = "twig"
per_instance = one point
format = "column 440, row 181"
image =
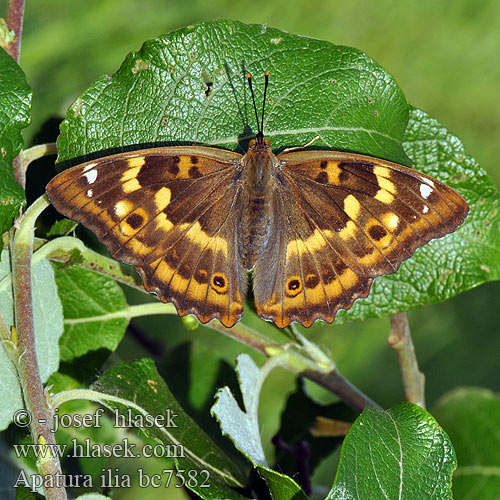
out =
column 28, row 369
column 325, row 376
column 400, row 340
column 15, row 15
column 36, row 152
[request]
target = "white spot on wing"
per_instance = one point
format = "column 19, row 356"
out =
column 89, row 166
column 91, row 176
column 89, row 193
column 426, row 209
column 425, row 190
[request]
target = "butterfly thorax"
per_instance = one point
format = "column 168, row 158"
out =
column 258, row 176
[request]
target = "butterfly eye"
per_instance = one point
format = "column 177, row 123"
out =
column 293, row 286
column 219, row 283
column 251, row 144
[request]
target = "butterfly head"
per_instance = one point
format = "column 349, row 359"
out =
column 260, row 143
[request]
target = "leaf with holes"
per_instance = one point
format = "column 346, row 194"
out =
column 159, row 95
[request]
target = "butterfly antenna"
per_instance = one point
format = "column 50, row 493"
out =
column 264, row 100
column 254, row 105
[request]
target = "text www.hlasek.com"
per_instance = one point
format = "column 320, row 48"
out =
column 87, row 449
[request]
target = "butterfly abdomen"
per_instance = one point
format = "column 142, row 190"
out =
column 256, row 212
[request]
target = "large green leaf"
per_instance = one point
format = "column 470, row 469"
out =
column 471, row 417
column 15, row 105
column 160, row 94
column 89, row 301
column 399, row 453
column 190, row 86
column 48, row 320
column 144, row 393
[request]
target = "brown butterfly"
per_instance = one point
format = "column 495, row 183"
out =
column 316, row 227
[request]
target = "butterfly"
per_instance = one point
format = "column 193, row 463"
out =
column 315, row 227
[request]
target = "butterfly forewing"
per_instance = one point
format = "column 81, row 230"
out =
column 344, row 220
column 171, row 213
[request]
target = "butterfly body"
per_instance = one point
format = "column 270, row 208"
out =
column 258, row 179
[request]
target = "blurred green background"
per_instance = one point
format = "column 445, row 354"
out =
column 445, row 56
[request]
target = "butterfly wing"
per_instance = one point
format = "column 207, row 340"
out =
column 170, row 212
column 340, row 220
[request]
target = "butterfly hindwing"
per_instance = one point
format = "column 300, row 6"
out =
column 170, row 212
column 340, row 221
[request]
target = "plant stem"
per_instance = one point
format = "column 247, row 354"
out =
column 36, row 152
column 28, row 369
column 62, row 250
column 15, row 15
column 327, row 377
column 400, row 340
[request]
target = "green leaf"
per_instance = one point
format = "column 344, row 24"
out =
column 94, row 312
column 48, row 319
column 160, row 96
column 142, row 391
column 243, row 426
column 316, row 88
column 447, row 266
column 281, row 486
column 471, row 417
column 62, row 227
column 197, row 480
column 399, row 453
column 15, row 105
